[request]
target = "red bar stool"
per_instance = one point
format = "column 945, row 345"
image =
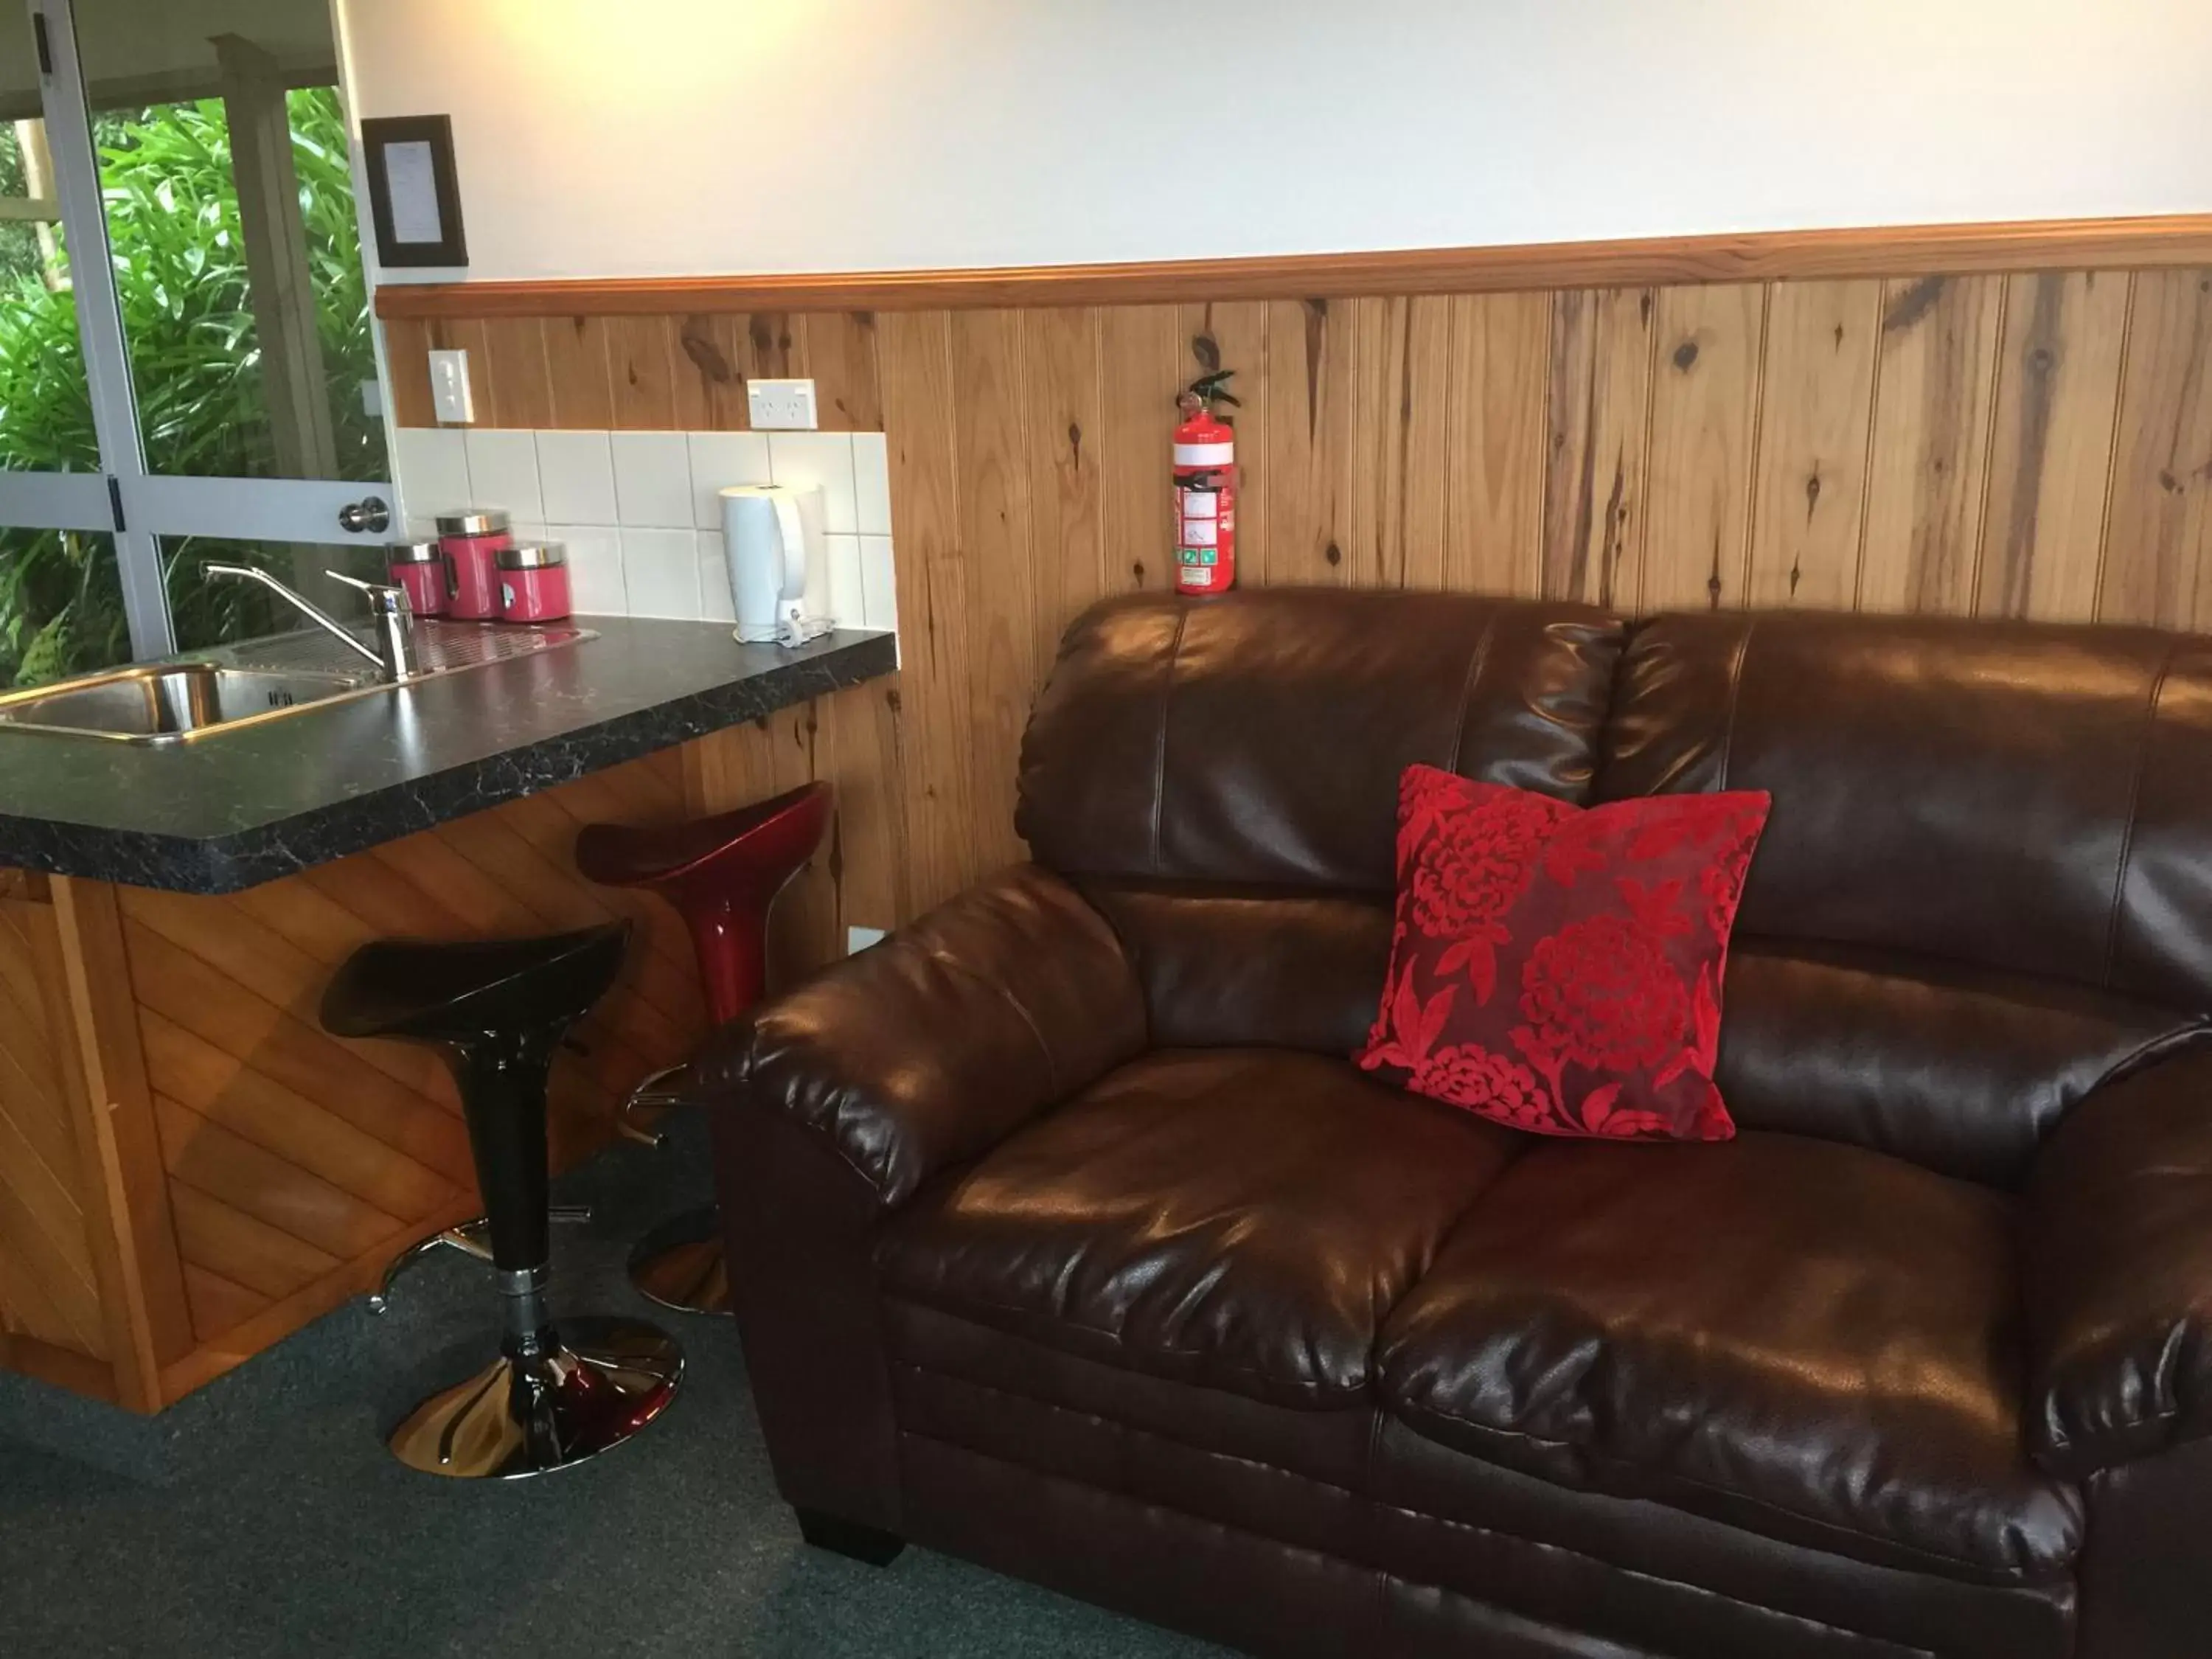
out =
column 721, row 874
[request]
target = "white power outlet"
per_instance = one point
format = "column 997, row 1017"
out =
column 449, row 388
column 858, row 939
column 781, row 406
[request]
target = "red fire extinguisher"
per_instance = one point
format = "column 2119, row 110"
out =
column 1206, row 489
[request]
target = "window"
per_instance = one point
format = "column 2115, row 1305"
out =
column 187, row 365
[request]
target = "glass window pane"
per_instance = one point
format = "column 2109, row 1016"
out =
column 45, row 413
column 61, row 606
column 224, row 171
column 210, row 611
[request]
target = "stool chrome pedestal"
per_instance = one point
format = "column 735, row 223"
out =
column 559, row 1391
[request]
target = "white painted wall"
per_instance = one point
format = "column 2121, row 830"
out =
column 617, row 137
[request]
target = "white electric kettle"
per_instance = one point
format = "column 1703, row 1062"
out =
column 779, row 566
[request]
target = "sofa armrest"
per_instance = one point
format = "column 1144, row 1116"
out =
column 2118, row 1264
column 932, row 1047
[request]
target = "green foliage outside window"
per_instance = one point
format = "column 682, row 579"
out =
column 181, row 283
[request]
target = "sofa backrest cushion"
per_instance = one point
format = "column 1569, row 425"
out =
column 1257, row 739
column 2021, row 797
column 1962, row 1070
column 1985, row 885
column 1220, row 778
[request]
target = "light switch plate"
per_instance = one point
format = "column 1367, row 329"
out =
column 781, row 406
column 858, row 939
column 449, row 388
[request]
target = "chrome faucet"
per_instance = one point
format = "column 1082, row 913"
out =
column 393, row 653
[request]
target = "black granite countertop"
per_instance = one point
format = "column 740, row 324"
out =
column 235, row 809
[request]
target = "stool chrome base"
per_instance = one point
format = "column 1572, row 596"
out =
column 589, row 1385
column 680, row 1263
column 470, row 1238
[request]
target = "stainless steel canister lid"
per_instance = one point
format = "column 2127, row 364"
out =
column 532, row 555
column 471, row 521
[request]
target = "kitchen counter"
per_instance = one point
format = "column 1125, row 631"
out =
column 191, row 1166
column 235, row 809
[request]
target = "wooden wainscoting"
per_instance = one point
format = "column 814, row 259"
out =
column 2020, row 442
column 53, row 1319
column 190, row 1168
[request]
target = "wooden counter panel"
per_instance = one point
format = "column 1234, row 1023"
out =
column 49, row 1287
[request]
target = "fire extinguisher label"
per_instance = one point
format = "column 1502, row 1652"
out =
column 1202, row 503
column 1201, row 532
column 1199, row 556
column 1204, row 454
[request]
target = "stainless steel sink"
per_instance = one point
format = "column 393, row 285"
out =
column 168, row 702
column 173, row 702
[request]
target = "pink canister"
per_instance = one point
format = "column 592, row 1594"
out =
column 533, row 582
column 472, row 541
column 420, row 568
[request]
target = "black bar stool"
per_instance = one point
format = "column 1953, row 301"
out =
column 498, row 1009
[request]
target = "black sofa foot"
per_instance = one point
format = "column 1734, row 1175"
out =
column 869, row 1544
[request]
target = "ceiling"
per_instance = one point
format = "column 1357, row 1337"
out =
column 147, row 52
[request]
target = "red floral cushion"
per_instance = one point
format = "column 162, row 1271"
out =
column 1559, row 970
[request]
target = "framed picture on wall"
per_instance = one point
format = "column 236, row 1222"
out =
column 414, row 193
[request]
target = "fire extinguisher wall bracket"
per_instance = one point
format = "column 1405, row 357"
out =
column 1210, row 389
column 1206, row 489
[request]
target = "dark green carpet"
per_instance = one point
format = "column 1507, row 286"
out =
column 262, row 1516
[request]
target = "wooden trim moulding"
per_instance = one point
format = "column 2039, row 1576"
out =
column 1659, row 261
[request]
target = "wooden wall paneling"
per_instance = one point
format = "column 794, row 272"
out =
column 1425, row 412
column 407, row 373
column 1063, row 396
column 1143, row 362
column 991, row 422
column 514, row 377
column 1373, row 542
column 1495, row 442
column 1233, row 335
column 133, row 1239
column 915, row 359
column 49, row 1287
column 710, row 367
column 867, row 767
column 2158, row 533
column 1309, row 440
column 840, row 356
column 1401, row 415
column 578, row 383
column 2051, row 450
column 1927, row 468
column 1599, row 403
column 642, row 356
column 1704, row 410
column 774, row 347
column 1816, row 413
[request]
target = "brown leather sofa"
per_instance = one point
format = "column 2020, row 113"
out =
column 1068, row 1240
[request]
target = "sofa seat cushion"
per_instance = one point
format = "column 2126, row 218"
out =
column 1794, row 1336
column 1241, row 1219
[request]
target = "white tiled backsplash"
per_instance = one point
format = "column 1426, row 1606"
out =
column 638, row 510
